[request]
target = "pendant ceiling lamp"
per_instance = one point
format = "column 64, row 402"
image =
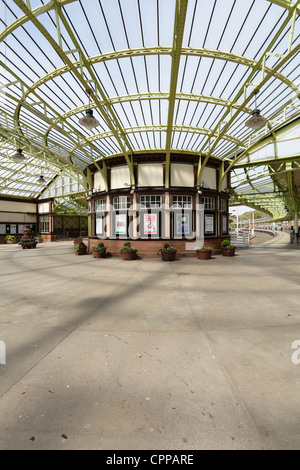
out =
column 88, row 121
column 256, row 120
column 41, row 179
column 18, row 156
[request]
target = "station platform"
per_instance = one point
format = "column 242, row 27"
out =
column 150, row 355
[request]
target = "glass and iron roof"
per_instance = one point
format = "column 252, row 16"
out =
column 172, row 76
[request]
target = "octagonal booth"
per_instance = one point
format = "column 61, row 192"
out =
column 152, row 204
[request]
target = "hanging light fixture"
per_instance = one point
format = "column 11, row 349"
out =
column 41, row 179
column 88, row 121
column 256, row 120
column 18, row 156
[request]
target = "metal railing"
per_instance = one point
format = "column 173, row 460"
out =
column 240, row 239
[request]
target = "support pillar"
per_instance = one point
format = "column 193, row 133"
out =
column 296, row 228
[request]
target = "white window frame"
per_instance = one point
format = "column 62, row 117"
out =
column 152, row 201
column 183, row 202
column 100, row 205
column 224, row 224
column 223, row 205
column 121, row 203
column 44, row 224
column 209, row 203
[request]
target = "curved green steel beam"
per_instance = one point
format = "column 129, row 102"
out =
column 268, row 130
column 30, row 106
column 108, row 114
column 277, row 133
column 155, row 96
column 36, row 11
column 46, row 148
column 213, row 54
column 30, row 135
column 270, row 137
column 190, row 51
column 249, row 180
column 106, row 110
column 144, row 51
column 286, row 4
column 218, row 131
column 129, row 130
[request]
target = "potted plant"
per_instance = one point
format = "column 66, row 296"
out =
column 99, row 251
column 168, row 252
column 80, row 249
column 10, row 239
column 28, row 239
column 39, row 238
column 204, row 253
column 127, row 252
column 227, row 249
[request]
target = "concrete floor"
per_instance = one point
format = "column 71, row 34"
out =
column 108, row 354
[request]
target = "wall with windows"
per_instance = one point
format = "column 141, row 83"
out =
column 69, row 226
column 155, row 216
column 149, row 213
column 14, row 215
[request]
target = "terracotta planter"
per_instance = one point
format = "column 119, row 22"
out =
column 128, row 255
column 168, row 255
column 31, row 245
column 11, row 242
column 39, row 240
column 97, row 254
column 226, row 252
column 81, row 251
column 204, row 254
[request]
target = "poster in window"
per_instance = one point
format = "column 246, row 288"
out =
column 121, row 224
column 20, row 228
column 99, row 225
column 2, row 228
column 182, row 223
column 150, row 224
column 224, row 223
column 13, row 229
column 209, row 224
